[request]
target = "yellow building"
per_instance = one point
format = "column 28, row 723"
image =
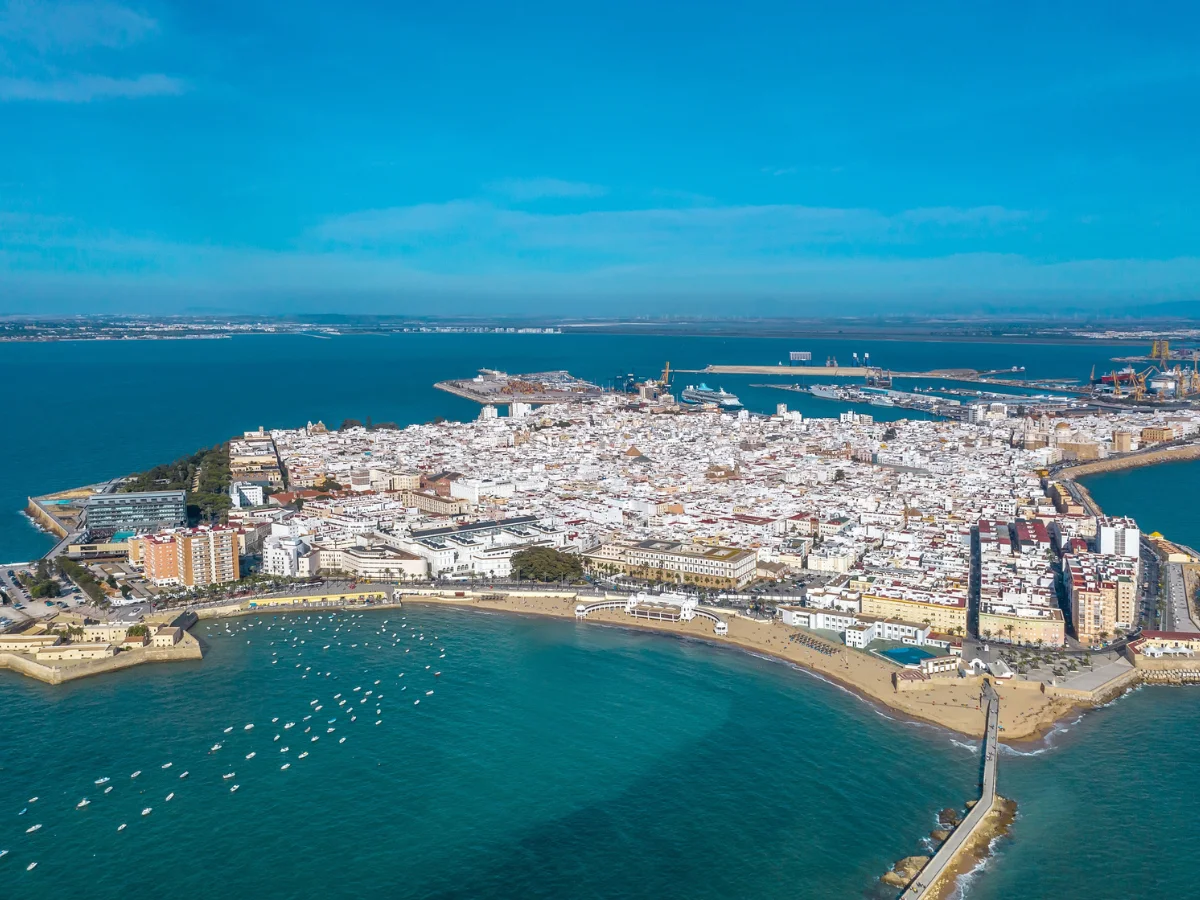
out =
column 75, row 652
column 947, row 614
column 372, row 593
column 1157, row 435
column 1049, row 630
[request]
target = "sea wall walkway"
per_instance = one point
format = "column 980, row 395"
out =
column 925, row 882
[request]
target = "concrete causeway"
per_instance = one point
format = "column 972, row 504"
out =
column 936, row 867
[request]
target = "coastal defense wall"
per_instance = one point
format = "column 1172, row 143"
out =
column 186, row 649
column 1133, row 461
column 35, row 511
column 1102, row 694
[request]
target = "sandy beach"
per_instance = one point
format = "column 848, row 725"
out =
column 1025, row 713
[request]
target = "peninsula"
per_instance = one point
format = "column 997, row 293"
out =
column 906, row 561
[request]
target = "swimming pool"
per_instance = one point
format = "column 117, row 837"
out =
column 906, row 656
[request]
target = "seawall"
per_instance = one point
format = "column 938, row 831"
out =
column 187, row 649
column 1132, row 461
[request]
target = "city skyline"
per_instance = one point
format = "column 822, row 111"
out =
column 183, row 157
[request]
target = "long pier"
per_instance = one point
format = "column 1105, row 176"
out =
column 929, row 877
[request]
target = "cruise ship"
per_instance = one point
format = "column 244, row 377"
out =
column 705, row 394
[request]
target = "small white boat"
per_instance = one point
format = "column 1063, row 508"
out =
column 234, row 788
column 283, row 749
column 229, row 775
column 316, row 737
column 104, row 780
column 107, row 789
column 3, row 853
column 251, row 755
column 302, row 755
column 341, row 740
column 169, row 796
column 147, row 810
column 184, row 775
column 31, row 867
column 289, row 725
column 136, row 774
column 121, row 827
column 229, row 729
column 82, row 803
column 167, row 765
column 330, row 730
column 285, row 766
column 248, row 727
column 428, row 693
column 32, row 828
column 275, row 738
column 33, row 799
column 214, row 748
column 274, row 720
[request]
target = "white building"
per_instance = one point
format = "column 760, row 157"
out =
column 282, row 553
column 244, row 494
column 1118, row 536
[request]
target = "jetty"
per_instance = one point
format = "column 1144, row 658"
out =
column 923, row 886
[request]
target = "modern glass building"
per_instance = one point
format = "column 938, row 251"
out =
column 137, row 510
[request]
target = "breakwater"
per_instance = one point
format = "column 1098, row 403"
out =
column 1132, row 461
column 929, row 882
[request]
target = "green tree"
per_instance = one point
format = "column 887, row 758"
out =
column 546, row 564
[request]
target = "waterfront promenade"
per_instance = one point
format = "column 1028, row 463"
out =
column 924, row 884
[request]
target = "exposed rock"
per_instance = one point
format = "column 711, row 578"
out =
column 949, row 816
column 939, row 834
column 971, row 804
column 905, row 871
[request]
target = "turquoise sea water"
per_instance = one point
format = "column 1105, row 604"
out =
column 554, row 759
column 1164, row 498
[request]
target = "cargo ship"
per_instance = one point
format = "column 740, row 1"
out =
column 705, row 394
column 826, row 391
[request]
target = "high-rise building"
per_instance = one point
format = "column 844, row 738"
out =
column 136, row 510
column 192, row 557
column 1118, row 536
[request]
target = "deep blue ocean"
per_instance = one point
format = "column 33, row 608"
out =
column 553, row 759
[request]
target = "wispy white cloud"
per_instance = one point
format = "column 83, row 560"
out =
column 72, row 26
column 85, row 88
column 700, row 232
column 522, row 189
column 37, row 40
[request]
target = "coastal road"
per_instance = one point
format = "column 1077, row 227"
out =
column 1176, row 616
column 945, row 855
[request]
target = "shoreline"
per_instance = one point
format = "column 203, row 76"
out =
column 1032, row 715
column 1186, row 453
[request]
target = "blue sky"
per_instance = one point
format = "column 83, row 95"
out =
column 759, row 157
